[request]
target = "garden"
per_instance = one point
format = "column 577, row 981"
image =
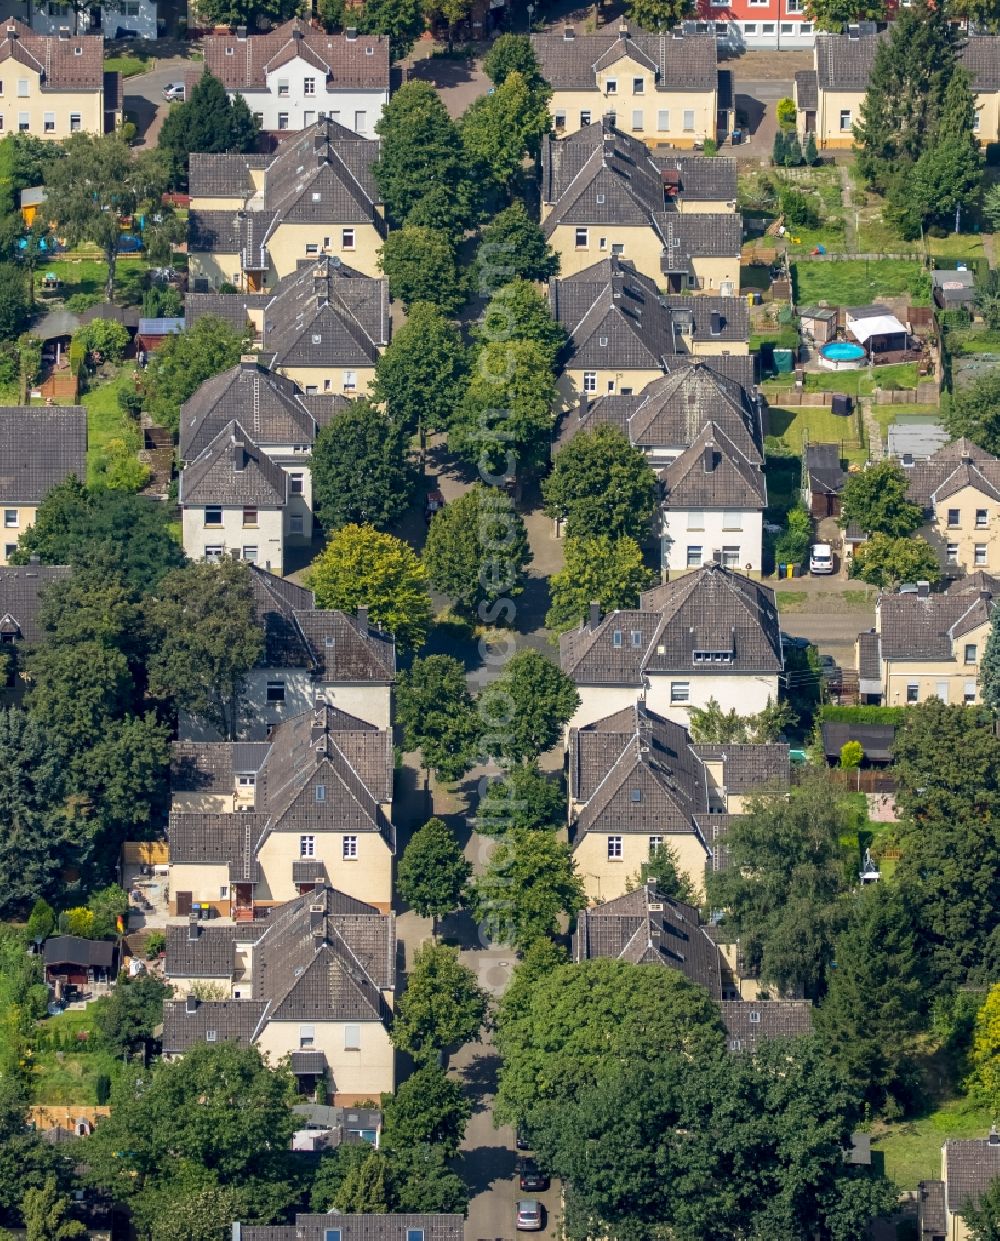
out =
column 858, row 282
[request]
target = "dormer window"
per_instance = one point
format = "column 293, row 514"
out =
column 320, row 793
column 603, row 342
column 713, row 657
column 369, row 51
column 77, row 51
column 317, row 339
column 229, row 51
column 637, row 637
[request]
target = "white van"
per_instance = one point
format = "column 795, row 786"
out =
column 821, row 558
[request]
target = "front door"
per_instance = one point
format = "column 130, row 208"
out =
column 183, row 900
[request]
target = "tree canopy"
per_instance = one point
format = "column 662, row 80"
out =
column 526, row 708
column 435, row 712
column 209, row 120
column 973, row 410
column 520, row 798
column 401, row 20
column 884, row 561
column 601, row 486
column 501, row 129
column 433, row 871
column 184, row 361
column 442, row 1004
column 513, row 245
column 609, row 572
column 421, row 265
column 361, row 471
column 422, row 374
column 876, row 500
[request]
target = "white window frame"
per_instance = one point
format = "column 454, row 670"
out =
column 689, row 120
column 846, row 120
column 680, row 692
column 979, row 555
column 307, row 846
column 616, row 849
column 352, row 1037
column 350, row 848
column 693, row 560
column 309, row 86
column 663, row 120
column 581, row 238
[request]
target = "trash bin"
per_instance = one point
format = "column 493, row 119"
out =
column 781, row 570
column 791, row 570
column 737, row 137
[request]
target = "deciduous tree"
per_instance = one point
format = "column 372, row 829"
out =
column 46, row 1215
column 422, row 374
column 429, row 1107
column 513, row 245
column 477, row 551
column 505, row 419
column 360, row 469
column 517, row 311
column 710, row 723
column 974, row 411
column 520, row 798
column 526, row 708
column 511, row 53
column 435, row 711
column 183, row 363
column 442, row 1004
column 433, row 871
column 884, row 561
column 601, row 486
column 983, row 1217
column 401, row 20
column 421, row 266
column 664, row 871
column 126, row 1018
column 602, row 570
column 876, row 500
column 989, row 669
column 501, row 129
column 658, row 14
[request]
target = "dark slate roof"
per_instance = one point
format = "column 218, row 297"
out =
column 197, row 951
column 210, row 838
column 806, row 90
column 746, row 767
column 212, row 766
column 876, row 739
column 747, row 1022
column 73, row 64
column 682, row 61
column 672, row 411
column 225, row 175
column 976, row 583
column 231, row 307
column 952, row 467
column 266, row 403
column 647, row 928
column 232, row 470
column 709, row 609
column 932, row 1221
column 21, row 589
column 327, row 314
column 358, row 1228
column 918, row 628
column 970, row 1167
column 329, row 160
column 870, row 656
column 714, row 828
column 981, row 57
column 637, row 771
column 701, row 178
column 73, row 950
column 844, row 63
column 714, row 474
column 40, row 448
column 240, row 63
column 211, row 1021
column 826, row 474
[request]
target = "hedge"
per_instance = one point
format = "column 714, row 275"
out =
column 862, row 715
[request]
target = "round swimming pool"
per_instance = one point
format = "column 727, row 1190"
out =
column 841, row 355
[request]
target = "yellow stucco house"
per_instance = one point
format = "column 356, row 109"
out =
column 313, row 985
column 52, row 86
column 604, row 195
column 958, row 487
column 969, row 1166
column 828, row 97
column 39, row 448
column 255, row 825
column 663, row 88
column 254, row 218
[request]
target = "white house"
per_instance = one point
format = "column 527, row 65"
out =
column 296, row 75
column 128, row 18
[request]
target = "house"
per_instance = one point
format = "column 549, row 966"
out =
column 234, row 501
column 311, row 657
column 254, row 217
column 316, row 985
column 915, row 441
column 297, row 74
column 324, row 1127
column 119, row 19
column 749, row 1022
column 823, row 479
column 39, row 448
column 712, row 633
column 829, row 96
column 928, row 645
column 969, row 1166
column 22, row 588
column 953, row 290
column 71, row 961
column 663, row 87
column 336, row 1227
column 779, row 25
column 603, row 194
column 958, row 487
column 636, row 782
column 256, row 824
column 57, row 85
column 623, row 333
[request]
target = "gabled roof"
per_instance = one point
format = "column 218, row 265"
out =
column 915, row 627
column 76, row 63
column 748, row 1022
column 21, row 589
column 266, row 403
column 40, row 448
column 826, row 474
column 844, row 63
column 714, row 474
column 74, row 950
column 806, row 90
column 946, row 472
column 232, row 470
column 875, row 739
column 970, row 1168
column 699, row 178
column 358, row 1228
column 346, row 64
column 711, row 609
column 673, row 410
column 681, row 61
column 647, row 928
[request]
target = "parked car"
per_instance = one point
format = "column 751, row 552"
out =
column 529, row 1215
column 521, row 1139
column 821, row 559
column 174, row 92
column 531, row 1177
column 828, row 668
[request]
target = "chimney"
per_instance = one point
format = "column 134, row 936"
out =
column 583, row 406
column 994, row 1138
column 11, row 32
column 351, row 33
column 194, row 930
column 708, row 458
column 985, row 596
column 63, row 33
column 297, row 34
column 363, row 618
column 241, row 33
column 248, row 362
column 968, row 461
column 239, row 455
column 569, row 34
column 34, row 558
column 595, row 615
column 623, row 31
column 317, row 918
column 191, row 1004
column 923, row 589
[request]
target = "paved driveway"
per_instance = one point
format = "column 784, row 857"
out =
column 144, row 97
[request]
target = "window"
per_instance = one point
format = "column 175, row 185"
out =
column 637, row 637
column 250, row 553
column 309, row 86
column 320, row 793
column 590, row 381
column 982, row 518
column 979, row 556
column 970, row 652
column 637, row 118
column 581, row 238
column 635, row 797
column 602, row 243
column 941, row 690
column 10, row 518
column 912, row 692
column 414, row 1234
column 655, row 842
column 210, row 1036
column 307, row 1037
column 360, row 122
column 611, row 86
column 663, row 120
column 259, row 118
column 954, row 517
column 347, row 239
column 951, row 553
column 688, row 121
column 22, row 87
column 296, row 483
column 350, row 381
column 754, row 1017
column 282, row 88
column 9, row 550
column 731, row 557
column 311, row 390
column 560, row 121
column 352, row 1038
column 616, row 638
column 638, row 86
column 805, row 28
column 694, row 556
column 223, row 892
column 316, row 338
column 350, row 848
column 307, row 846
column 213, row 551
column 732, row 520
column 49, row 123
column 749, row 27
column 246, row 780
column 331, row 1234
column 282, row 120
column 250, row 516
column 680, row 691
column 312, row 248
column 977, row 120
column 23, row 122
column 696, row 519
column 230, row 51
column 276, row 691
column 584, row 119
column 75, row 122
column 787, row 28
column 767, row 27
column 296, row 524
column 614, row 848
column 845, row 119
column 969, row 693
column 213, row 514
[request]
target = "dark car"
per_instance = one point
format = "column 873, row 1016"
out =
column 521, row 1139
column 531, row 1177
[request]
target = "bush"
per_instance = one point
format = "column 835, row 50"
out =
column 861, row 715
column 798, row 209
column 77, row 303
column 102, row 1088
column 226, row 287
column 103, row 339
column 792, row 546
column 155, row 944
column 851, row 754
column 130, row 402
column 786, row 111
column 711, row 146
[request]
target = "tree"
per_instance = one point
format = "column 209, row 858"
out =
column 209, row 120
column 711, row 724
column 876, row 500
column 526, row 708
column 421, row 266
column 331, row 16
column 601, row 485
column 500, row 129
column 360, row 469
column 529, row 883
column 781, row 891
column 948, row 175
column 658, row 14
column 41, row 922
column 511, row 53
column 247, row 13
column 505, row 419
column 609, row 572
column 205, row 639
column 104, row 340
column 884, row 561
column 421, row 154
column 974, row 411
column 520, row 798
column 423, row 1183
column 983, row 1217
column 517, row 311
column 984, row 1080
column 512, row 245
column 422, row 374
column 664, row 872
column 989, row 669
column 98, row 184
column 363, row 1191
column 991, row 205
column 197, row 1215
column 433, row 871
column 125, row 1020
column 46, row 1215
column 810, row 154
column 835, row 15
column 428, row 1107
column 401, row 20
column 363, row 567
column 436, row 714
column 442, row 1004
column 15, row 312
column 78, row 690
column 477, row 550
column 779, row 148
column 178, row 369
column 851, row 754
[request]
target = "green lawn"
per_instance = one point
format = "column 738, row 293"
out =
column 957, row 246
column 854, row 383
column 790, row 600
column 106, row 422
column 88, row 275
column 128, row 66
column 65, row 1074
column 912, row 1149
column 887, row 415
column 857, row 282
column 787, row 426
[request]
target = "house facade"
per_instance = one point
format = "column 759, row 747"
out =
column 958, row 487
column 663, row 87
column 39, row 448
column 772, row 24
column 56, row 84
column 296, row 75
column 127, row 19
column 969, row 1167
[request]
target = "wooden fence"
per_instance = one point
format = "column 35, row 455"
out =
column 145, row 853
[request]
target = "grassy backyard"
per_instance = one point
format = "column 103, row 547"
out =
column 105, row 423
column 128, row 65
column 65, row 1062
column 912, row 1148
column 854, row 383
column 86, row 274
column 787, row 427
column 857, row 282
